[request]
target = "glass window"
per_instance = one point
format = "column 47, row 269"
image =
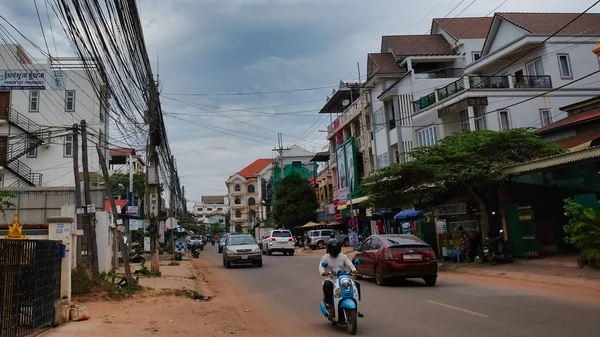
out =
column 238, row 214
column 546, row 117
column 281, row 234
column 69, row 100
column 564, row 64
column 237, row 188
column 34, row 100
column 68, row 146
column 32, row 152
column 479, row 116
column 375, row 243
column 251, row 202
column 504, row 119
column 463, row 116
column 251, row 189
column 535, row 68
column 476, row 56
column 427, row 136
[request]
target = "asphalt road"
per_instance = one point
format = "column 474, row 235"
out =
column 458, row 306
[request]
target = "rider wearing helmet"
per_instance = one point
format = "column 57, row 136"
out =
column 336, row 261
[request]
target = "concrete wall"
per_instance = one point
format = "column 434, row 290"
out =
column 507, row 32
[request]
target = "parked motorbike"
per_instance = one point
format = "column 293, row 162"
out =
column 496, row 249
column 137, row 257
column 345, row 301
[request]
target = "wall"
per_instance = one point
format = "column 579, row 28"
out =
column 468, row 46
column 50, row 159
column 506, row 33
column 104, row 241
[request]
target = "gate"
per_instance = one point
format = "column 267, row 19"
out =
column 29, row 285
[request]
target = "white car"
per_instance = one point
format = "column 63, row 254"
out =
column 279, row 240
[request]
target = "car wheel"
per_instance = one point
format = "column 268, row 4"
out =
column 320, row 245
column 379, row 278
column 264, row 252
column 291, row 253
column 259, row 263
column 227, row 264
column 269, row 252
column 430, row 280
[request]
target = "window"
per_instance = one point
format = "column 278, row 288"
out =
column 1, row 180
column 251, row 189
column 209, row 209
column 296, row 163
column 221, row 221
column 379, row 120
column 479, row 117
column 251, row 202
column 427, row 136
column 219, row 208
column 68, row 147
column 237, row 201
column 463, row 116
column 546, row 117
column 564, row 63
column 504, row 119
column 252, row 217
column 375, row 244
column 535, row 68
column 69, row 100
column 238, row 214
column 34, row 100
column 32, row 148
column 476, row 55
column 237, row 188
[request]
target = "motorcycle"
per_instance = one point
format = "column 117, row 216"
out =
column 212, row 242
column 345, row 301
column 496, row 249
column 196, row 251
column 136, row 257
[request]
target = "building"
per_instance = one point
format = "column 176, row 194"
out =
column 212, row 209
column 526, row 70
column 294, row 160
column 247, row 195
column 35, row 100
column 120, row 159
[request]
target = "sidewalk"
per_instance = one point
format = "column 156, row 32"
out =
column 536, row 271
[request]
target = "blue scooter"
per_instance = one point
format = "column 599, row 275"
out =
column 345, row 301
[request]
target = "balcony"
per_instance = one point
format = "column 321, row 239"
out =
column 348, row 115
column 445, row 73
column 237, row 206
column 237, row 193
column 483, row 82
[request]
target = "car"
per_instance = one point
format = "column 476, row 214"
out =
column 196, row 240
column 222, row 241
column 319, row 238
column 398, row 256
column 241, row 249
column 279, row 240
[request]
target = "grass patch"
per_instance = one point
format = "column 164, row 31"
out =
column 193, row 277
column 146, row 272
column 173, row 263
column 192, row 294
column 109, row 283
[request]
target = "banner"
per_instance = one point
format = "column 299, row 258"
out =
column 21, row 80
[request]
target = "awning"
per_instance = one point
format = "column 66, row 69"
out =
column 558, row 160
column 335, row 223
column 355, row 201
column 408, row 214
column 311, row 224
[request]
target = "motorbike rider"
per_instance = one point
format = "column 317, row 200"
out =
column 336, row 261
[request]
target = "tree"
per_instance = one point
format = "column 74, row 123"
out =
column 139, row 184
column 5, row 202
column 295, row 202
column 469, row 160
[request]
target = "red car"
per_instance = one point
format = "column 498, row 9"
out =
column 396, row 256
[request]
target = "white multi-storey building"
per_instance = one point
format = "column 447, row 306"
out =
column 35, row 100
column 212, row 209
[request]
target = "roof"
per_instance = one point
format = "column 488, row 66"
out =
column 550, row 23
column 416, row 45
column 578, row 142
column 465, row 28
column 553, row 161
column 572, row 120
column 346, row 91
column 121, row 152
column 321, row 156
column 254, row 168
column 381, row 63
column 296, row 151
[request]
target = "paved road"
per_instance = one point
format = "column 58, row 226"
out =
column 457, row 306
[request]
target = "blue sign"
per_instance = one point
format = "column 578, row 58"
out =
column 353, row 223
column 179, row 247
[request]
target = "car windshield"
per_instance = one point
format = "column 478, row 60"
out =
column 241, row 240
column 195, row 238
column 281, row 234
column 402, row 241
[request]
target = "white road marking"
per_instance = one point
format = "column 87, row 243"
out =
column 457, row 308
column 299, row 265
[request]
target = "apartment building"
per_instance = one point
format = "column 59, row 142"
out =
column 35, row 100
column 246, row 195
column 521, row 78
column 212, row 209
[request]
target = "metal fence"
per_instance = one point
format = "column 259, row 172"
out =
column 29, row 285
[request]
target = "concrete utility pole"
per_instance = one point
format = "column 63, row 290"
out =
column 77, row 190
column 154, row 136
column 90, row 218
column 280, row 150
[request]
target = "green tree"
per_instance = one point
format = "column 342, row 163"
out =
column 139, row 184
column 295, row 202
column 468, row 160
column 5, row 202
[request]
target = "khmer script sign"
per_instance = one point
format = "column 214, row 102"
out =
column 22, row 80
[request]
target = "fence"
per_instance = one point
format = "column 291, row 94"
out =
column 29, row 285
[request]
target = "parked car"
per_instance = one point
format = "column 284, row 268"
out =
column 222, row 242
column 241, row 249
column 401, row 256
column 319, row 238
column 279, row 240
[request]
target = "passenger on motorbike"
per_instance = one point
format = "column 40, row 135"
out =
column 336, row 261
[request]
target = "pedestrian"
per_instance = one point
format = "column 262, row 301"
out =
column 464, row 244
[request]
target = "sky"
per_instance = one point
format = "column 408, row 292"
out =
column 217, row 58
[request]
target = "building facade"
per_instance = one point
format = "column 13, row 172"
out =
column 212, row 209
column 246, row 195
column 38, row 103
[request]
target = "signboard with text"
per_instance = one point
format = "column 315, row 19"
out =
column 22, row 80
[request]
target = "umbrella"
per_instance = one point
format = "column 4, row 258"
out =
column 408, row 213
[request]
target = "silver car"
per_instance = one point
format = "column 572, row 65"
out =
column 241, row 249
column 319, row 238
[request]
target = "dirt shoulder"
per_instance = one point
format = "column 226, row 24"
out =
column 163, row 311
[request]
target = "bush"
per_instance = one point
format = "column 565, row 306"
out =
column 81, row 281
column 583, row 230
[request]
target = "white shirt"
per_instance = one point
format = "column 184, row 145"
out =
column 335, row 264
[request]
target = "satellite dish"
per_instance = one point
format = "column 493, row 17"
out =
column 346, row 102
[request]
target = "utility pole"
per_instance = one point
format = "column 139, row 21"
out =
column 172, row 209
column 154, row 136
column 130, row 194
column 119, row 229
column 77, row 190
column 90, row 221
column 280, row 150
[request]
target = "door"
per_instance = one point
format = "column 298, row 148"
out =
column 3, row 148
column 4, row 105
column 520, row 79
column 361, row 255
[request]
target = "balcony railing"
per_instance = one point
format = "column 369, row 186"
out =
column 483, row 82
column 446, row 73
column 28, row 178
column 349, row 114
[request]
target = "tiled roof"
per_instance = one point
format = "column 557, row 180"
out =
column 466, row 28
column 416, row 45
column 549, row 23
column 383, row 63
column 572, row 120
column 254, row 168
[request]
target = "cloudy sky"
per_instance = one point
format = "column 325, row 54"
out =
column 210, row 51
